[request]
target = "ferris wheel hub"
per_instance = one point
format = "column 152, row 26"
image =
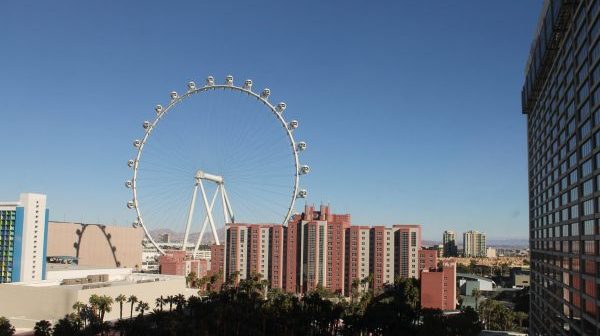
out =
column 200, row 175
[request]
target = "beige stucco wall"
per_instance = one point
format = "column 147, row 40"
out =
column 95, row 246
column 24, row 305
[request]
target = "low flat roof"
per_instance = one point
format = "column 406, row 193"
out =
column 472, row 276
column 135, row 278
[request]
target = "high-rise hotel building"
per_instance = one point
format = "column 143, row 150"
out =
column 561, row 99
column 474, row 244
column 23, row 231
column 449, row 242
column 320, row 248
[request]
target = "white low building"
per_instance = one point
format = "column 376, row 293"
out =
column 25, row 303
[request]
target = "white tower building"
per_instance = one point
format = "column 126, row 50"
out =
column 23, row 232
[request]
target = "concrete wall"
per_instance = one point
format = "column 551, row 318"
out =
column 100, row 245
column 25, row 304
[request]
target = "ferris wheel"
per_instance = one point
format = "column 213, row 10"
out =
column 227, row 156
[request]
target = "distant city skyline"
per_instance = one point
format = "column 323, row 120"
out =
column 411, row 111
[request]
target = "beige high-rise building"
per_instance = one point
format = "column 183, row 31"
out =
column 474, row 243
column 406, row 246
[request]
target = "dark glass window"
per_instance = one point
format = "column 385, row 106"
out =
column 585, row 129
column 572, row 143
column 586, row 148
column 571, row 94
column 582, row 54
column 590, row 247
column 571, row 110
column 595, row 30
column 584, row 111
column 589, row 227
column 588, row 187
column 573, row 177
column 572, row 160
column 596, row 96
column 582, row 73
column 588, row 207
column 581, row 36
column 596, row 52
column 596, row 74
column 586, row 168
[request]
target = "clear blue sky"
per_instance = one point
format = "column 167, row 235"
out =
column 411, row 108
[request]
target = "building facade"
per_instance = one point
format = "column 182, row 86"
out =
column 316, row 250
column 474, row 244
column 179, row 263
column 96, row 245
column 54, row 298
column 252, row 250
column 320, row 248
column 560, row 99
column 407, row 243
column 358, row 249
column 438, row 287
column 23, row 233
column 382, row 254
column 449, row 243
column 428, row 259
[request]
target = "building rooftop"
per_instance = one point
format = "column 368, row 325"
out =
column 472, row 276
column 134, row 278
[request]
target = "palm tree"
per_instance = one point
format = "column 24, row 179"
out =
column 265, row 285
column 180, row 301
column 354, row 290
column 105, row 306
column 159, row 302
column 87, row 315
column 142, row 307
column 133, row 299
column 202, row 284
column 520, row 317
column 42, row 328
column 67, row 326
column 476, row 293
column 170, row 300
column 121, row 299
column 95, row 303
column 190, row 279
column 77, row 306
column 367, row 282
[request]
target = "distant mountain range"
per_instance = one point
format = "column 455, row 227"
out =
column 193, row 236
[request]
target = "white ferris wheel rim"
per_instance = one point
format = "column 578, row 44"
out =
column 263, row 97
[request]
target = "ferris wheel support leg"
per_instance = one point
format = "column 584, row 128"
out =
column 228, row 205
column 210, row 216
column 190, row 216
column 205, row 222
column 225, row 219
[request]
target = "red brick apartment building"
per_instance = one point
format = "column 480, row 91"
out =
column 319, row 248
column 428, row 259
column 438, row 287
